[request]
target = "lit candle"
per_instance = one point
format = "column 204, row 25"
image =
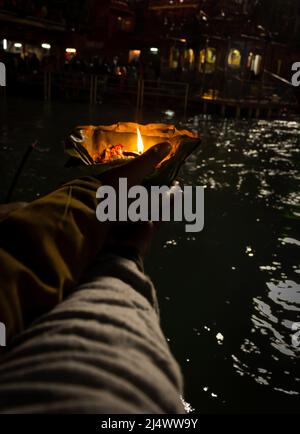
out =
column 140, row 144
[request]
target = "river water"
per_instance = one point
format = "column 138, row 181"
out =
column 230, row 295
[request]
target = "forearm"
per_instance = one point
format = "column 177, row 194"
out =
column 100, row 351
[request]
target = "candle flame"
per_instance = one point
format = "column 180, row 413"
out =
column 140, row 144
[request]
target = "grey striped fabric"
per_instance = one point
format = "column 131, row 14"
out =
column 100, row 351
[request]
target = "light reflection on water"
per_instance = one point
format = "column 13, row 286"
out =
column 244, row 321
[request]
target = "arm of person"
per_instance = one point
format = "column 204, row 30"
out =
column 46, row 247
column 100, row 351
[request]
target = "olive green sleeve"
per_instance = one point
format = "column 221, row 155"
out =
column 44, row 250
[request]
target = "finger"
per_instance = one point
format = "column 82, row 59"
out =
column 139, row 168
column 146, row 164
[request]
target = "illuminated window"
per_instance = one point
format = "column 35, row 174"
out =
column 257, row 64
column 208, row 57
column 174, row 58
column 250, row 60
column 189, row 59
column 134, row 55
column 70, row 53
column 234, row 58
column 254, row 63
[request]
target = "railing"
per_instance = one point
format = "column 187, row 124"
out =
column 158, row 90
column 75, row 86
column 117, row 86
column 89, row 88
column 92, row 88
column 263, row 90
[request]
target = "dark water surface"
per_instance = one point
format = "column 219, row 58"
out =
column 229, row 296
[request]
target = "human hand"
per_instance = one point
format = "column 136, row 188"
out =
column 138, row 169
column 134, row 236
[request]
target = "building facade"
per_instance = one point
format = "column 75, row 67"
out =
column 238, row 35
